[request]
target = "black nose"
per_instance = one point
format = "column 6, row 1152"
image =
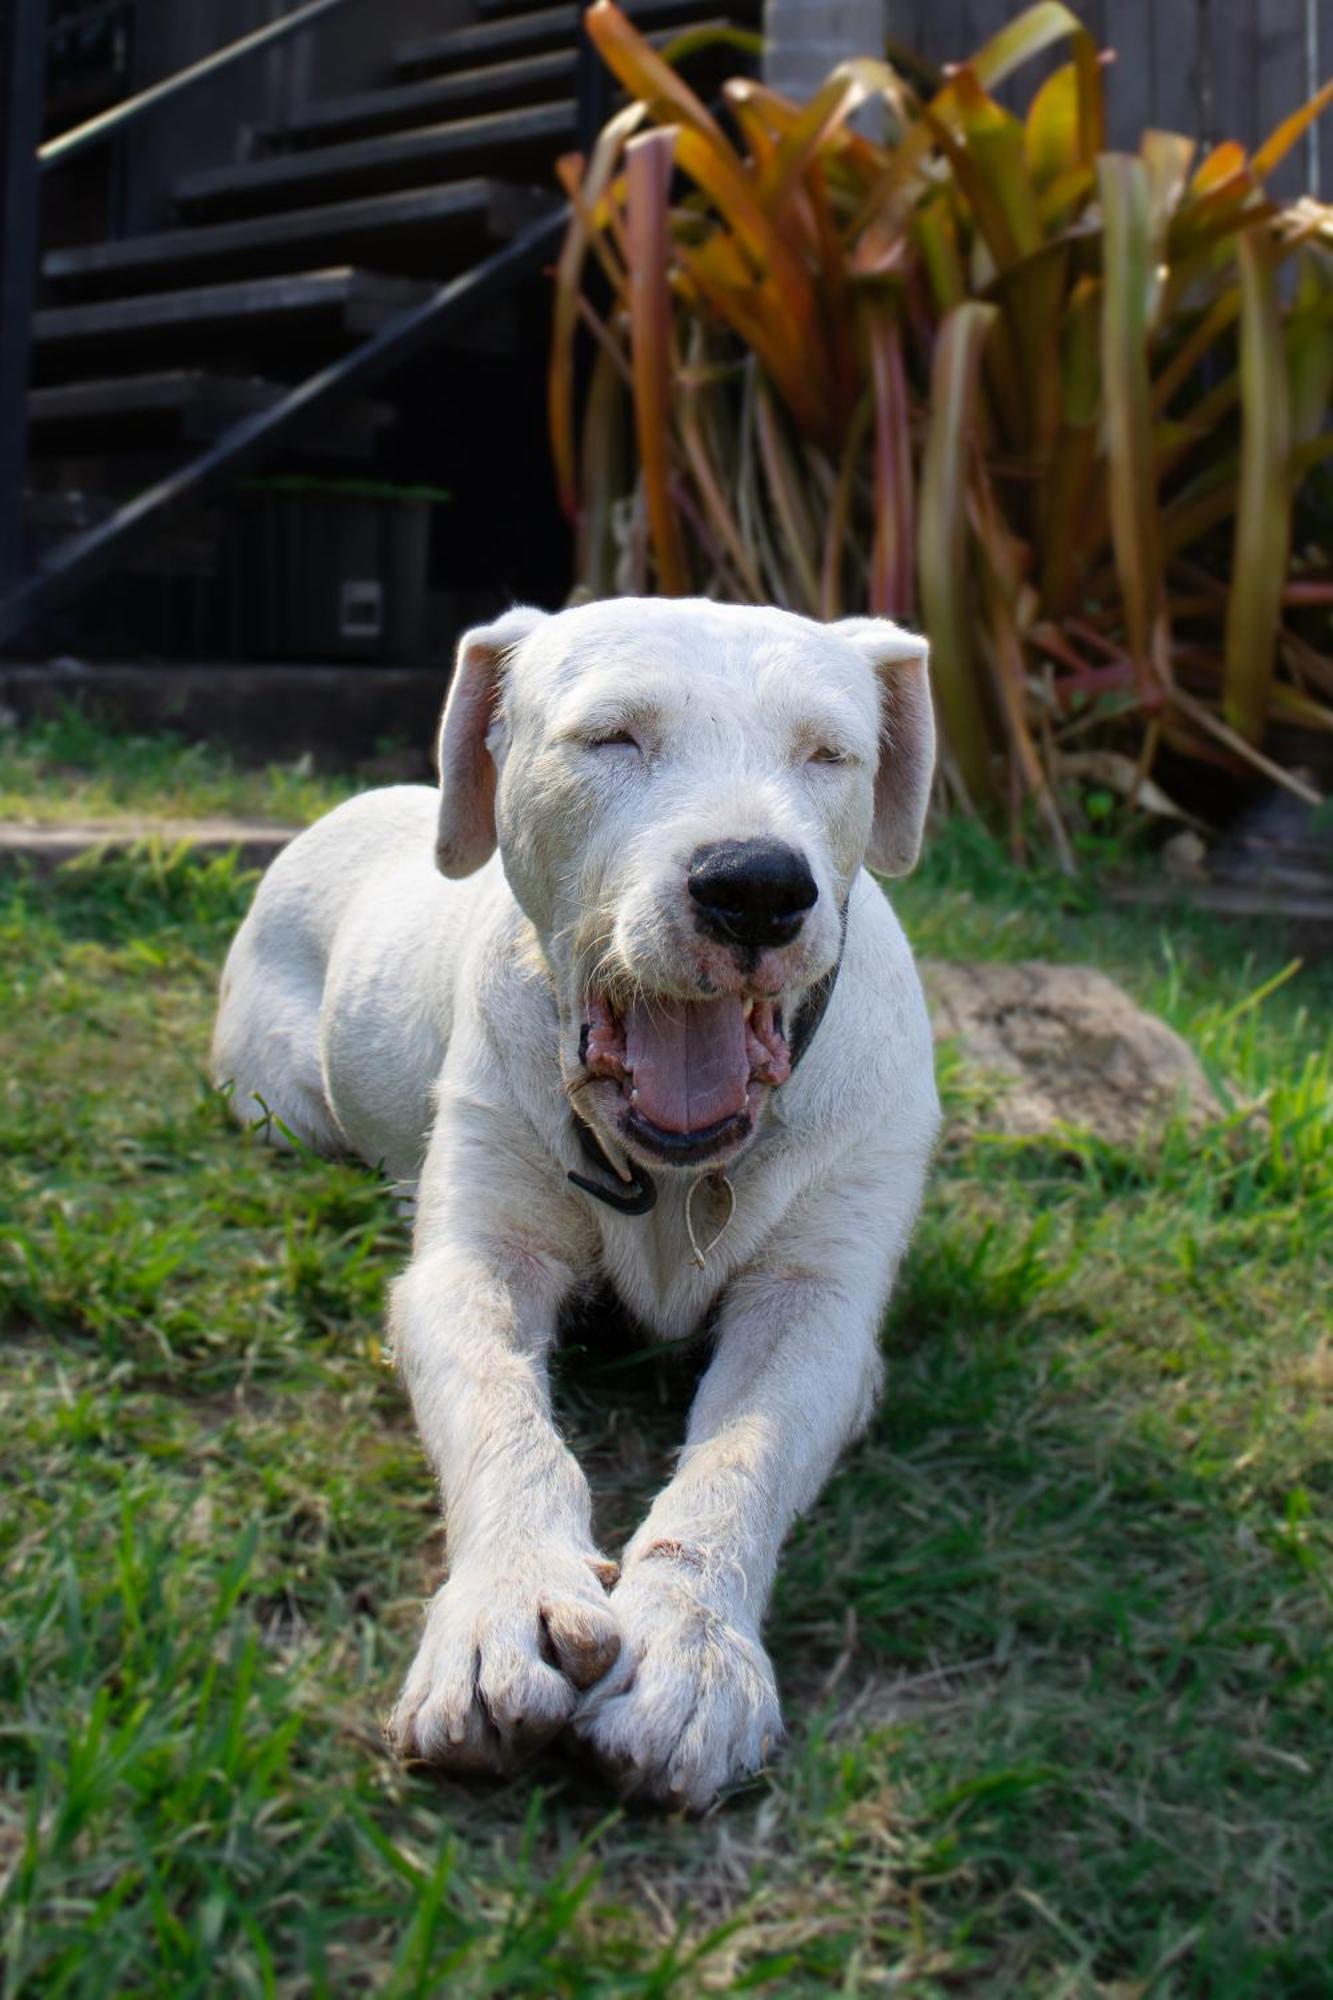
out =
column 753, row 892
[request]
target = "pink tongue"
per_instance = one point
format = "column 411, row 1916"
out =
column 689, row 1061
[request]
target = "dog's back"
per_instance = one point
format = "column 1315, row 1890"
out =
column 270, row 1044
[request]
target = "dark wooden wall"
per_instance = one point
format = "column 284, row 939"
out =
column 1217, row 69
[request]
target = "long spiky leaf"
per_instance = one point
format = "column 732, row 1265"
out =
column 648, row 169
column 1126, row 318
column 1263, row 518
column 944, row 567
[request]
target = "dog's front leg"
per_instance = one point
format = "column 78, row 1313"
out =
column 522, row 1625
column 691, row 1704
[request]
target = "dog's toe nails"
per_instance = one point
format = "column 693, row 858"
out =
column 586, row 1643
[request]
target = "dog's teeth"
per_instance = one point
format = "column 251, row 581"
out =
column 747, row 1010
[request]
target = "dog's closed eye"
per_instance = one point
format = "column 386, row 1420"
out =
column 828, row 754
column 612, row 739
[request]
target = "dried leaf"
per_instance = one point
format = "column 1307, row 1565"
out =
column 648, row 168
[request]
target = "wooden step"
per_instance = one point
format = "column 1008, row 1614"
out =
column 429, row 232
column 502, row 85
column 315, row 313
column 182, row 406
column 535, row 33
column 746, row 12
column 530, row 79
column 516, row 144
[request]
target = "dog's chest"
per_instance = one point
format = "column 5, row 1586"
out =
column 670, row 1267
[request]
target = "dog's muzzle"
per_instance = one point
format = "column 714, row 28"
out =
column 687, row 1070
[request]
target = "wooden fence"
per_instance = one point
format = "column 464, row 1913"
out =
column 1218, row 69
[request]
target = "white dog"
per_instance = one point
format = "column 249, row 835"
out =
column 671, row 1036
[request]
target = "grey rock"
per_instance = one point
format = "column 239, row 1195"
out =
column 1059, row 1047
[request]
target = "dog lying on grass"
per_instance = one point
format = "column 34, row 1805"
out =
column 669, row 1035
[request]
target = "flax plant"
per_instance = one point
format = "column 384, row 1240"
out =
column 1058, row 404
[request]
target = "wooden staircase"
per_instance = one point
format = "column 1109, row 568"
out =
column 338, row 226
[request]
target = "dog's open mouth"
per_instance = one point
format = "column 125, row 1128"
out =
column 686, row 1068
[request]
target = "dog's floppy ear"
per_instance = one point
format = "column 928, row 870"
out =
column 906, row 739
column 466, row 836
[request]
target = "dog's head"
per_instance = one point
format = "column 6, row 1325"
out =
column 683, row 793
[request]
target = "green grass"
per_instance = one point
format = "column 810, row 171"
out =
column 1054, row 1646
column 70, row 768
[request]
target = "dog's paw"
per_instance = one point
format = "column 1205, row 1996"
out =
column 507, row 1651
column 690, row 1705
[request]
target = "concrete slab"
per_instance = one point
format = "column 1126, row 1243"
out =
column 45, row 846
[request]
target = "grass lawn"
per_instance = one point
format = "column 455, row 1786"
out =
column 1054, row 1646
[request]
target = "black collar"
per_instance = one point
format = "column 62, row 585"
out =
column 639, row 1194
column 632, row 1197
column 813, row 1009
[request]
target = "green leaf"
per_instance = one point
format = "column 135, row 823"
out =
column 1310, row 347
column 1263, row 518
column 1127, row 298
column 891, row 567
column 943, row 542
column 1028, row 35
column 1071, row 510
column 606, row 475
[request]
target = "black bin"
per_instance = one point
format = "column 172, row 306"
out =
column 331, row 571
